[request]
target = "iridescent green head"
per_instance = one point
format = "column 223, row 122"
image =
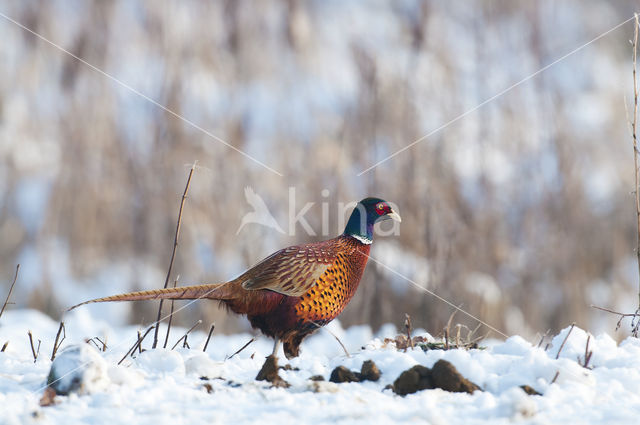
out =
column 365, row 215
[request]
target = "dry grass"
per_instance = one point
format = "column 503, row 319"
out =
column 456, row 336
column 112, row 166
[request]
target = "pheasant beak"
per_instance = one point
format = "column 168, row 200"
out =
column 394, row 216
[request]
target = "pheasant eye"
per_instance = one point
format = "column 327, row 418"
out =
column 380, row 208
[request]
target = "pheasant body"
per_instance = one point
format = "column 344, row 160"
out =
column 296, row 317
column 296, row 290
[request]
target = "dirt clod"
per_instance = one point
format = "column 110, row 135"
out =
column 48, row 397
column 369, row 371
column 412, row 380
column 529, row 390
column 317, row 378
column 269, row 373
column 289, row 367
column 447, row 377
column 342, row 374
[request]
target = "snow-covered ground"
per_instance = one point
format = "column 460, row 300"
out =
column 165, row 387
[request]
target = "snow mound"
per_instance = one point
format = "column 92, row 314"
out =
column 191, row 386
column 78, row 369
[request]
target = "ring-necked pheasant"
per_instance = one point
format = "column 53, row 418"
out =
column 294, row 291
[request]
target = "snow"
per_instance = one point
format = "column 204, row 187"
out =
column 166, row 386
column 78, row 368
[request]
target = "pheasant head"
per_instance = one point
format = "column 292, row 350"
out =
column 367, row 213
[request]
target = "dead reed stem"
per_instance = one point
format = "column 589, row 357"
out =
column 173, row 252
column 56, row 344
column 137, row 343
column 184, row 337
column 166, row 337
column 407, row 325
column 241, row 348
column 635, row 146
column 555, row 377
column 34, row 351
column 6, row 301
column 204, row 349
column 565, row 340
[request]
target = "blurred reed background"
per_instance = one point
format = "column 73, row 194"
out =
column 521, row 212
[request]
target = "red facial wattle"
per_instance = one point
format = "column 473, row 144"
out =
column 382, row 209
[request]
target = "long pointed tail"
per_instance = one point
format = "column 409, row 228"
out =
column 216, row 291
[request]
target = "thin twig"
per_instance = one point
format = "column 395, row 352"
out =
column 565, row 340
column 635, row 152
column 615, row 312
column 555, row 377
column 137, row 343
column 4, row 347
column 173, row 253
column 622, row 316
column 543, row 337
column 213, row 325
column 184, row 337
column 166, row 337
column 333, row 335
column 6, row 301
column 92, row 341
column 56, row 344
column 407, row 325
column 587, row 354
column 242, row 348
column 33, row 350
column 104, row 344
column 446, row 338
column 341, row 344
column 447, row 330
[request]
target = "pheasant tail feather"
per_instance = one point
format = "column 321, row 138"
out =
column 216, row 291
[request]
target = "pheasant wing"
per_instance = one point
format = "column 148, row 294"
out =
column 291, row 271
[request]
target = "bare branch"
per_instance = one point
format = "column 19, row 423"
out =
column 565, row 340
column 615, row 312
column 213, row 325
column 241, row 348
column 555, row 377
column 92, row 341
column 407, row 325
column 173, row 253
column 166, row 337
column 543, row 337
column 634, row 132
column 137, row 343
column 34, row 351
column 635, row 319
column 587, row 355
column 333, row 335
column 184, row 337
column 6, row 301
column 56, row 344
column 104, row 344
